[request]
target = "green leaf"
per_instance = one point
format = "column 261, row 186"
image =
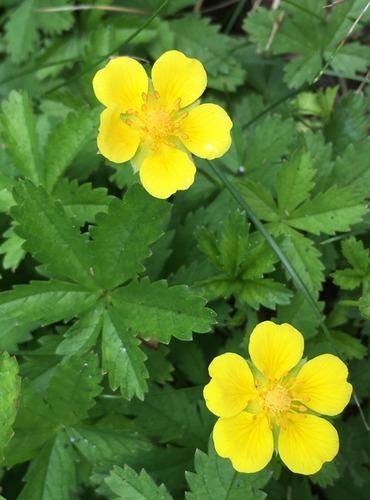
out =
column 154, row 309
column 6, row 197
column 349, row 347
column 12, row 248
column 126, row 483
column 174, row 416
column 54, row 22
column 51, row 237
column 18, row 130
column 82, row 335
column 52, row 475
column 122, row 357
column 216, row 479
column 9, row 392
column 233, row 242
column 263, row 292
column 334, row 210
column 326, row 476
column 45, row 301
column 123, row 235
column 104, row 444
column 65, row 140
column 294, row 183
column 364, row 305
column 34, row 425
column 73, row 388
column 82, row 202
column 21, row 32
column 359, row 259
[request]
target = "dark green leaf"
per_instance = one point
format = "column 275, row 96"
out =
column 9, row 392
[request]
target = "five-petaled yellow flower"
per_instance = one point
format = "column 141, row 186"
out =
column 273, row 402
column 157, row 123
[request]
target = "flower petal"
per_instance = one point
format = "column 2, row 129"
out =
column 306, row 443
column 206, row 131
column 176, row 76
column 116, row 141
column 322, row 385
column 166, row 171
column 122, row 81
column 246, row 439
column 275, row 349
column 231, row 387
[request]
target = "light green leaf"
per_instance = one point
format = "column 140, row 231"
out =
column 349, row 346
column 294, row 183
column 123, row 359
column 233, row 243
column 123, row 236
column 12, row 248
column 358, row 257
column 45, row 301
column 364, row 305
column 34, row 425
column 9, row 392
column 21, row 31
column 82, row 335
column 65, row 140
column 263, row 292
column 154, row 309
column 6, row 197
column 216, row 479
column 82, row 202
column 126, row 483
column 334, row 210
column 18, row 130
column 54, row 22
column 73, row 388
column 51, row 475
column 259, row 199
column 51, row 236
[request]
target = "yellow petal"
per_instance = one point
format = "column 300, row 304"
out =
column 231, row 387
column 122, row 81
column 306, row 443
column 176, row 76
column 322, row 385
column 166, row 171
column 116, row 141
column 206, row 131
column 246, row 439
column 275, row 349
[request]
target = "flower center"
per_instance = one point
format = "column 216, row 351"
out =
column 154, row 121
column 277, row 400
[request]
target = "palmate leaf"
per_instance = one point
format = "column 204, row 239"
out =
column 122, row 357
column 154, row 309
column 216, row 479
column 45, row 301
column 126, row 483
column 9, row 391
column 51, row 236
column 122, row 236
column 18, row 130
column 73, row 387
column 52, row 475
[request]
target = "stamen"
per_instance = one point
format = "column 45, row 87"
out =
column 185, row 136
column 184, row 115
column 129, row 122
column 144, row 96
column 130, row 111
column 144, row 108
column 156, row 93
column 176, row 105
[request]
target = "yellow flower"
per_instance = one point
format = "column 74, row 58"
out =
column 157, row 123
column 274, row 402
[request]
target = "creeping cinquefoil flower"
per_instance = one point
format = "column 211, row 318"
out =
column 273, row 402
column 157, row 123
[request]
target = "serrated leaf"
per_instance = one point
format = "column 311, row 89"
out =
column 358, row 257
column 34, row 425
column 263, row 292
column 54, row 22
column 82, row 335
column 334, row 210
column 126, row 483
column 12, row 248
column 51, row 475
column 104, row 444
column 65, row 140
column 364, row 305
column 123, row 236
column 216, row 479
column 73, row 388
column 6, row 197
column 349, row 346
column 154, row 309
column 259, row 198
column 51, row 236
column 9, row 392
column 82, row 202
column 233, row 242
column 170, row 415
column 122, row 357
column 18, row 129
column 45, row 301
column 294, row 183
column 21, row 31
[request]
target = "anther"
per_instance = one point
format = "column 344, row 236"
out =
column 129, row 122
column 156, row 93
column 130, row 111
column 185, row 136
column 144, row 108
column 144, row 96
column 184, row 115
